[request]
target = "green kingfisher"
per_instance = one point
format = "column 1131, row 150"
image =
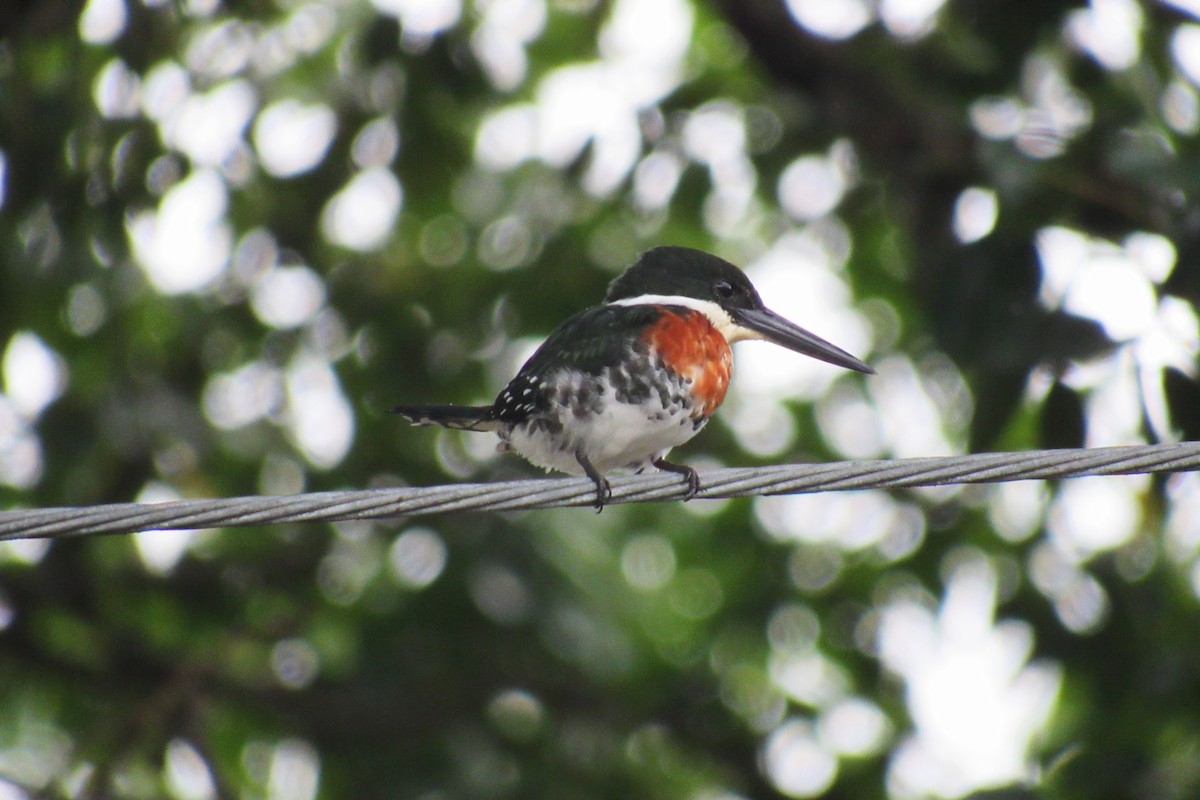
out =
column 619, row 384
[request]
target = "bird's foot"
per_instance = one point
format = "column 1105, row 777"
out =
column 689, row 474
column 603, row 492
column 603, row 487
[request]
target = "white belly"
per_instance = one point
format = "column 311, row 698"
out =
column 620, row 436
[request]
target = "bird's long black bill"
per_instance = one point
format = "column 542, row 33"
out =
column 784, row 333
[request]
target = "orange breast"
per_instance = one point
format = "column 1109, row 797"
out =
column 691, row 347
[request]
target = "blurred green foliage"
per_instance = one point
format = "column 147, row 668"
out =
column 714, row 650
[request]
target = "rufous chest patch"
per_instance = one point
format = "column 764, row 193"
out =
column 692, row 348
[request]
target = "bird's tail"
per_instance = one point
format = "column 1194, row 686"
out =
column 467, row 418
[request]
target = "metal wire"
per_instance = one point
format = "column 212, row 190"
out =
column 547, row 493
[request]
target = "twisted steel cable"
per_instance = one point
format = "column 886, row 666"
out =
column 546, row 493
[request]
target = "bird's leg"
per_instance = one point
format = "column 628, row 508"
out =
column 690, row 475
column 603, row 489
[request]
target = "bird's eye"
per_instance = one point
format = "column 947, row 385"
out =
column 723, row 289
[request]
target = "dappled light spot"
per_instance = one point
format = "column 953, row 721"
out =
column 648, row 562
column 295, row 663
column 507, row 242
column 746, row 691
column 975, row 212
column 444, row 240
column 422, row 18
column 809, row 676
column 86, row 310
column 292, row 138
column 1044, row 120
column 288, row 297
column 166, row 86
column 996, row 117
column 1182, row 532
column 232, row 400
column 795, row 761
column 102, row 21
column 24, row 551
column 715, row 135
column 596, row 104
column 764, row 427
column 1092, row 515
column 1185, row 48
column 1117, row 286
column 255, row 255
column 813, row 186
column 849, row 422
column 849, row 520
column 208, row 127
column 1082, row 605
column 853, row 727
column 507, row 137
column 655, row 180
column 40, row 757
column 376, row 144
column 905, row 535
column 185, row 245
column 695, row 593
column 1017, row 510
column 295, row 771
column 161, row 550
column 910, row 19
column 831, row 19
column 417, row 557
column 34, row 374
column 1099, row 280
column 500, row 594
column 362, row 214
column 1187, row 6
column 517, row 714
column 280, row 475
column 1115, row 295
column 975, row 700
column 793, row 628
column 222, row 49
column 1057, row 112
column 1110, row 30
column 506, row 27
column 21, row 459
column 303, row 32
column 814, row 569
column 590, row 105
column 319, row 417
column 923, row 409
column 186, row 774
column 590, row 640
column 343, row 574
column 1181, row 108
column 1079, row 601
column 117, row 90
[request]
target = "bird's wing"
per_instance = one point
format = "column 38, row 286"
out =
column 467, row 418
column 587, row 342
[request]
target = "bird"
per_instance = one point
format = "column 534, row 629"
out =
column 620, row 384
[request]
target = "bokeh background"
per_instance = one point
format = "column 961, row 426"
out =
column 233, row 233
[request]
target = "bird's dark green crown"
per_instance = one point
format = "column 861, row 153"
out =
column 682, row 271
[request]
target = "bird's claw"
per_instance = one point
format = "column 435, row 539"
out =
column 603, row 493
column 690, row 476
column 693, row 482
